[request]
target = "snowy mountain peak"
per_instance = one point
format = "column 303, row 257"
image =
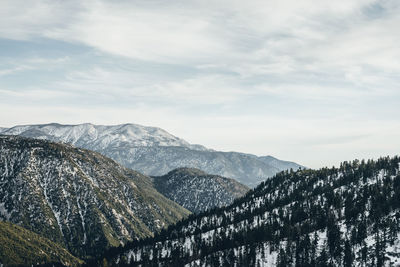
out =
column 101, row 136
column 154, row 151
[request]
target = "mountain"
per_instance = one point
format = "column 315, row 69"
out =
column 78, row 198
column 157, row 160
column 346, row 216
column 279, row 164
column 21, row 247
column 197, row 191
column 153, row 151
column 100, row 137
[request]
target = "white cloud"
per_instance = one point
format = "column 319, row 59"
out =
column 122, row 84
column 24, row 20
column 334, row 61
column 8, row 71
column 251, row 38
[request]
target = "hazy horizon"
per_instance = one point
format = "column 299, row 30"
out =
column 314, row 82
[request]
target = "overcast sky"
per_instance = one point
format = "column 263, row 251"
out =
column 312, row 81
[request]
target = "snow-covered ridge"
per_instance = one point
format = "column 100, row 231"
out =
column 198, row 191
column 101, row 136
column 347, row 216
column 68, row 194
column 154, row 151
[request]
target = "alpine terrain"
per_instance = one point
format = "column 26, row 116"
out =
column 197, row 191
column 155, row 152
column 346, row 216
column 78, row 198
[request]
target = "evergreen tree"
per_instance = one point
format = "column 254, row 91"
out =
column 348, row 255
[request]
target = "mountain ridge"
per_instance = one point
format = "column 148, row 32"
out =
column 198, row 191
column 155, row 152
column 345, row 216
column 78, row 198
column 101, row 135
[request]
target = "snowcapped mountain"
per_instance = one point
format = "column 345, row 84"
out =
column 346, row 216
column 78, row 198
column 100, row 137
column 197, row 191
column 153, row 151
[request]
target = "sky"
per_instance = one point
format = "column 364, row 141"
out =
column 313, row 81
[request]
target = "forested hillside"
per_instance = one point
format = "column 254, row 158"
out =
column 78, row 198
column 346, row 216
column 21, row 247
column 198, row 191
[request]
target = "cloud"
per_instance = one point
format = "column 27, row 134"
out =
column 268, row 77
column 122, row 84
column 4, row 72
column 24, row 20
column 249, row 38
column 16, row 65
column 190, row 30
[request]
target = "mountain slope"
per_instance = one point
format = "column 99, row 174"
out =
column 197, row 191
column 347, row 216
column 245, row 168
column 78, row 198
column 19, row 246
column 279, row 164
column 101, row 137
column 155, row 152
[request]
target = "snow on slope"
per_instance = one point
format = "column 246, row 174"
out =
column 155, row 152
column 197, row 191
column 347, row 216
column 100, row 136
column 78, row 198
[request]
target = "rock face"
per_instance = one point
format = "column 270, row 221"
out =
column 20, row 247
column 153, row 151
column 345, row 216
column 78, row 198
column 197, row 191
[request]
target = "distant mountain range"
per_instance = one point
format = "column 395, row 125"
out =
column 154, row 151
column 197, row 191
column 58, row 197
column 78, row 198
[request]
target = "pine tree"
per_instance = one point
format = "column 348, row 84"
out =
column 322, row 260
column 348, row 255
